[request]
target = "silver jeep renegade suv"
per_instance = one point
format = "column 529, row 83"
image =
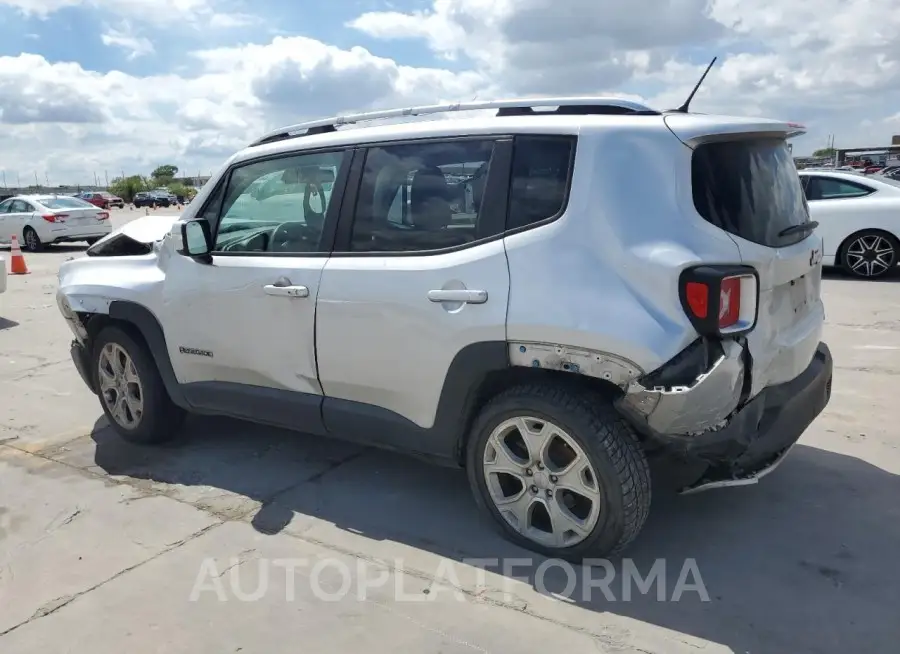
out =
column 547, row 296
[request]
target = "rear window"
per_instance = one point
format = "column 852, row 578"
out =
column 750, row 188
column 64, row 203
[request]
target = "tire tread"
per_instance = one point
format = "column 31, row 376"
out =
column 610, row 433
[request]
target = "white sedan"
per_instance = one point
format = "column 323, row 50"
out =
column 39, row 220
column 859, row 220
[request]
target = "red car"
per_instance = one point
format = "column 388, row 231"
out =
column 103, row 199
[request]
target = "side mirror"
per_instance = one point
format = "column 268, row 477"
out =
column 196, row 240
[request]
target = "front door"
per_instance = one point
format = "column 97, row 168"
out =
column 240, row 330
column 19, row 215
column 416, row 281
column 5, row 228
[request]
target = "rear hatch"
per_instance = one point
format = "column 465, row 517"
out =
column 744, row 181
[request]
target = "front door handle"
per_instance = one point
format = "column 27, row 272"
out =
column 458, row 295
column 286, row 291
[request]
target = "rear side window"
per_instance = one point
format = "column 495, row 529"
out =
column 65, row 203
column 541, row 172
column 828, row 188
column 750, row 188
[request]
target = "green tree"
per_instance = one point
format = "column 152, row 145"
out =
column 824, row 152
column 182, row 190
column 126, row 187
column 165, row 172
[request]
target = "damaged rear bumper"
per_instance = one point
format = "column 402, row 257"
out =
column 748, row 441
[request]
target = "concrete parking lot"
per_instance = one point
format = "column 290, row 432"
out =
column 239, row 538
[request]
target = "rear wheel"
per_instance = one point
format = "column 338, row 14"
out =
column 32, row 240
column 131, row 390
column 559, row 472
column 869, row 254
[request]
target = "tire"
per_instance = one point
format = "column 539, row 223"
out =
column 869, row 254
column 31, row 242
column 617, row 466
column 158, row 419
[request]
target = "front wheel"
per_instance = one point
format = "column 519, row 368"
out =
column 869, row 254
column 559, row 472
column 131, row 390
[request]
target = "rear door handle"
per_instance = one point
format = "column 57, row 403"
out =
column 286, row 291
column 463, row 295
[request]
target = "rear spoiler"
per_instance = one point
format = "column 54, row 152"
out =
column 693, row 129
column 796, row 130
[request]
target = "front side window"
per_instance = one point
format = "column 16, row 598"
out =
column 827, row 188
column 277, row 205
column 420, row 197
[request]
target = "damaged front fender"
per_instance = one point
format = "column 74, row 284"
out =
column 707, row 388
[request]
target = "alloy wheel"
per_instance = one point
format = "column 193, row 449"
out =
column 870, row 255
column 542, row 482
column 120, row 386
column 31, row 240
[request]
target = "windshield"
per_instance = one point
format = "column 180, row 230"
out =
column 61, row 202
column 750, row 188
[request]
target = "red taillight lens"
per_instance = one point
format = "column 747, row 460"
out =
column 697, row 296
column 103, row 215
column 729, row 302
column 55, row 217
column 720, row 300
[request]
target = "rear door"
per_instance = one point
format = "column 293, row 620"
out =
column 745, row 183
column 416, row 278
column 839, row 206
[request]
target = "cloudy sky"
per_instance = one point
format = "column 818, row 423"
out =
column 110, row 85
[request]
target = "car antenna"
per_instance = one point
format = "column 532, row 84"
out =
column 683, row 109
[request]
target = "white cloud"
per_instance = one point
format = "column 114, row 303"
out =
column 199, row 13
column 124, row 37
column 115, row 121
column 831, row 64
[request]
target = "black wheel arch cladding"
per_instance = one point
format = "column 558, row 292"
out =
column 151, row 331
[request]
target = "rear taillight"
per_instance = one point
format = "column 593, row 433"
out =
column 55, row 217
column 720, row 300
column 103, row 215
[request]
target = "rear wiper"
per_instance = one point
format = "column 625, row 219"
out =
column 802, row 227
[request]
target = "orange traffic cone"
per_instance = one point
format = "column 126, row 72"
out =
column 17, row 263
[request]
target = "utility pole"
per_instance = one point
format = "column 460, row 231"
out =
column 4, row 179
column 36, row 182
column 106, row 175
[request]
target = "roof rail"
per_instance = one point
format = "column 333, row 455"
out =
column 568, row 106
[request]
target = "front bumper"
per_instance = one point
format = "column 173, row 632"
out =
column 758, row 435
column 80, row 358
